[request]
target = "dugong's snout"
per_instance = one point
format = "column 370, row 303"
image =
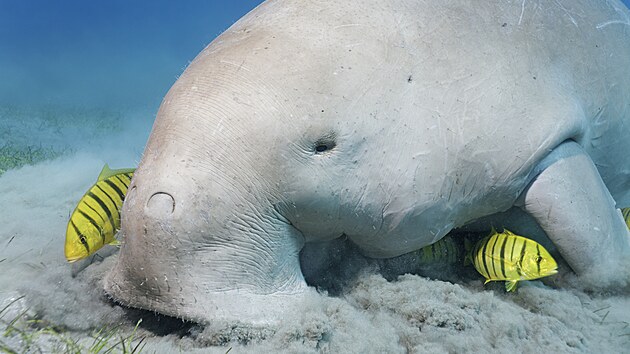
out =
column 142, row 276
column 199, row 257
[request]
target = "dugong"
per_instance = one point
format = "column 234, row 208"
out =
column 389, row 122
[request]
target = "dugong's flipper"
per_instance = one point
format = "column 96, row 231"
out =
column 571, row 203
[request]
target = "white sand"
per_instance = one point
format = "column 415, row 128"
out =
column 370, row 315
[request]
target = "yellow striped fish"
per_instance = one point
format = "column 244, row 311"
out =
column 427, row 261
column 509, row 257
column 444, row 251
column 96, row 219
column 626, row 215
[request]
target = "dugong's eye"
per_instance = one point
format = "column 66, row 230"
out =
column 321, row 147
column 324, row 144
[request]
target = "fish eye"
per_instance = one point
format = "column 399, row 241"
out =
column 538, row 259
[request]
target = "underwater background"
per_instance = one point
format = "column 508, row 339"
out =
column 80, row 85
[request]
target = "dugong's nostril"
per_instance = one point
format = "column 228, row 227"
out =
column 160, row 204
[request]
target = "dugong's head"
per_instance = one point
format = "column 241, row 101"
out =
column 293, row 126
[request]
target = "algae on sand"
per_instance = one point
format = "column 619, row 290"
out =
column 12, row 157
column 24, row 332
column 30, row 135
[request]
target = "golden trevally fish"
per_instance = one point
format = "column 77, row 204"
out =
column 427, row 261
column 444, row 251
column 509, row 257
column 626, row 215
column 96, row 219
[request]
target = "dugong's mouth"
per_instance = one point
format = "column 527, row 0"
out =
column 257, row 309
column 154, row 322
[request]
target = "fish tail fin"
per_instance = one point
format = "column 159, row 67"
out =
column 510, row 285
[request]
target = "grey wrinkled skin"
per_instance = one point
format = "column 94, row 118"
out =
column 389, row 122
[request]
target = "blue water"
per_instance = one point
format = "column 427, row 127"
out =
column 103, row 52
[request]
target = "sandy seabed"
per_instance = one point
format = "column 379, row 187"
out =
column 47, row 301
